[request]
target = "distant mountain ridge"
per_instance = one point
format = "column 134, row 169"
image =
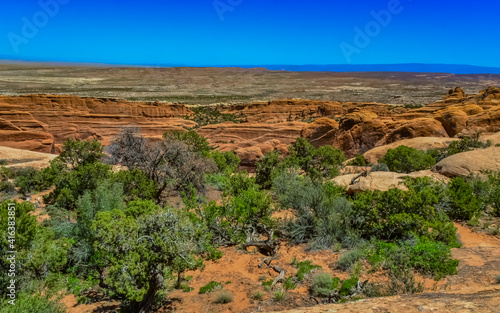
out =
column 408, row 67
column 403, row 67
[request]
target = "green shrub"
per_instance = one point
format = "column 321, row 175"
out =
column 279, row 296
column 231, row 221
column 205, row 115
column 428, row 257
column 227, row 162
column 348, row 285
column 347, row 260
column 398, row 215
column 359, row 160
column 289, row 283
column 322, row 216
column 463, row 204
column 211, row 286
column 30, row 180
column 136, row 184
column 7, row 187
column 305, row 268
column 323, row 162
column 4, row 162
column 224, row 297
column 6, row 173
column 267, row 168
column 404, row 159
column 380, row 167
column 323, row 284
column 258, row 296
column 463, row 145
column 32, row 303
column 192, row 139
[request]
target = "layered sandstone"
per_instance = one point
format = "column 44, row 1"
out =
column 43, row 122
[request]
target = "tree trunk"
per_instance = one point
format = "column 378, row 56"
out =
column 147, row 302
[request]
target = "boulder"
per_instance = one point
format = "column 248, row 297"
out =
column 382, row 181
column 17, row 158
column 357, row 117
column 361, row 137
column 420, row 127
column 471, row 162
column 453, row 120
column 488, row 120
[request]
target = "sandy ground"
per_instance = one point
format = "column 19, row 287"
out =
column 472, row 290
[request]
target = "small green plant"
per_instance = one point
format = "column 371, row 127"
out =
column 267, row 284
column 347, row 260
column 323, row 284
column 279, row 296
column 4, row 162
column 380, row 167
column 224, row 297
column 258, row 296
column 186, row 288
column 304, row 268
column 211, row 286
column 348, row 285
column 497, row 279
column 294, row 261
column 337, row 247
column 289, row 283
column 359, row 160
column 7, row 187
column 356, row 269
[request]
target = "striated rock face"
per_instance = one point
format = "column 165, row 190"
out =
column 250, row 141
column 321, row 132
column 43, row 122
column 472, row 162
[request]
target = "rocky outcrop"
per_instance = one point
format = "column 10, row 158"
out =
column 17, row 158
column 420, row 127
column 361, row 137
column 453, row 120
column 472, row 162
column 250, row 141
column 43, row 122
column 382, row 181
column 321, row 132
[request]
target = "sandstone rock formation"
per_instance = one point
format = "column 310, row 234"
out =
column 472, row 162
column 382, row 181
column 43, row 122
column 17, row 158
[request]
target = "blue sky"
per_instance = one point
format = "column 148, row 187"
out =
column 250, row 32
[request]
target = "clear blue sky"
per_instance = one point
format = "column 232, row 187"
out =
column 184, row 32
